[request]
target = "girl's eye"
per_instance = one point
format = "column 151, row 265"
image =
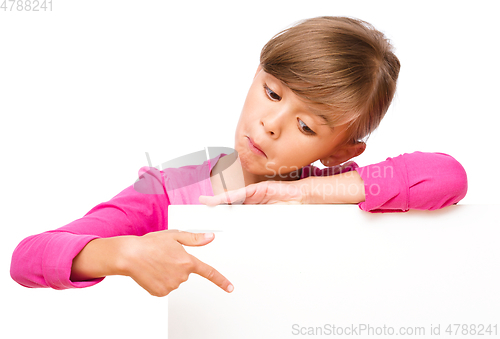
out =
column 273, row 96
column 305, row 128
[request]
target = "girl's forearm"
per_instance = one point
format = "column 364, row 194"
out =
column 344, row 188
column 99, row 258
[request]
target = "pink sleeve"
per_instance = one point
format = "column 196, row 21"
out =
column 45, row 259
column 423, row 181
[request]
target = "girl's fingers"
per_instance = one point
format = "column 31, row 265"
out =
column 206, row 200
column 233, row 197
column 213, row 201
column 210, row 273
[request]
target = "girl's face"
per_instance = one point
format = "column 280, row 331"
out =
column 283, row 127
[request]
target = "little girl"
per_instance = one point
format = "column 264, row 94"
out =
column 321, row 87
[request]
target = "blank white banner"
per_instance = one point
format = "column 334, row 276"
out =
column 313, row 270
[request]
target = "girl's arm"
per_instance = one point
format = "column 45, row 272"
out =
column 99, row 258
column 424, row 181
column 344, row 188
column 46, row 259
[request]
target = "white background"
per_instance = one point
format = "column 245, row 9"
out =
column 86, row 89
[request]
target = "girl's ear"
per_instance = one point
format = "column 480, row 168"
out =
column 359, row 148
column 345, row 153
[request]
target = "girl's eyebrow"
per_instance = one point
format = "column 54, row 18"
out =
column 319, row 115
column 272, row 83
column 325, row 119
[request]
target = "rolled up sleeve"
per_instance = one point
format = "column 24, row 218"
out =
column 45, row 259
column 418, row 180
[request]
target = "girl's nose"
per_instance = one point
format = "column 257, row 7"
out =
column 273, row 122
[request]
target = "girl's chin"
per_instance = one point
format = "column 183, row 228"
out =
column 262, row 169
column 248, row 162
column 250, row 165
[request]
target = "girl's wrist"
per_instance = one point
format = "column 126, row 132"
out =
column 344, row 188
column 123, row 252
column 101, row 257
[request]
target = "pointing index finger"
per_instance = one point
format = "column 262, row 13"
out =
column 210, row 273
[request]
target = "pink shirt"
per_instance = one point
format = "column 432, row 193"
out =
column 410, row 181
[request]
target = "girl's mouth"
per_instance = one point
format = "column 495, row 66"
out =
column 254, row 148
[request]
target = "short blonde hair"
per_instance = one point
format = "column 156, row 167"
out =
column 342, row 67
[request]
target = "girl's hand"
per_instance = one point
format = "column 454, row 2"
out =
column 265, row 192
column 159, row 263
